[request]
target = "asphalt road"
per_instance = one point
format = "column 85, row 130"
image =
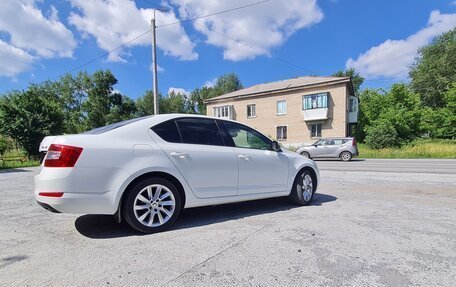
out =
column 372, row 223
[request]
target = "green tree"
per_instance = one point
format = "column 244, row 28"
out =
column 197, row 98
column 100, row 98
column 434, row 70
column 173, row 103
column 382, row 134
column 145, row 104
column 4, row 145
column 441, row 122
column 356, row 78
column 72, row 94
column 225, row 84
column 28, row 116
column 124, row 109
column 398, row 108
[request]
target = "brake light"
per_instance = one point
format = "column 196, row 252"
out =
column 354, row 142
column 62, row 155
column 51, row 194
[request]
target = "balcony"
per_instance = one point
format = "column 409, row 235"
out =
column 315, row 114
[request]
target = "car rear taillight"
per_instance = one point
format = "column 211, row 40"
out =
column 354, row 142
column 62, row 155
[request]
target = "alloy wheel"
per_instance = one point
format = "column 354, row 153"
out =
column 307, row 187
column 154, row 205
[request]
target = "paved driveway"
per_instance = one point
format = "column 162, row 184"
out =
column 373, row 223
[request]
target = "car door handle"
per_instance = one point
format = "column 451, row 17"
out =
column 246, row 157
column 178, row 154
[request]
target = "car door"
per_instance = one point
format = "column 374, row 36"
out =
column 331, row 148
column 200, row 155
column 320, row 149
column 261, row 170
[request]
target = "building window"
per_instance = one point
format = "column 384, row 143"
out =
column 353, row 107
column 315, row 101
column 315, row 131
column 251, row 111
column 223, row 112
column 282, row 133
column 281, row 107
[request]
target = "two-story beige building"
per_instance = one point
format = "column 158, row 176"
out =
column 294, row 111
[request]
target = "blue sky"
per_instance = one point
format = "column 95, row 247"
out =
column 42, row 39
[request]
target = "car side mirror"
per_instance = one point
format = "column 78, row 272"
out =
column 275, row 146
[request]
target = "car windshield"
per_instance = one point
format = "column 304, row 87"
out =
column 111, row 127
column 317, row 142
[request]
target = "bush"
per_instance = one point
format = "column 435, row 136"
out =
column 4, row 145
column 382, row 135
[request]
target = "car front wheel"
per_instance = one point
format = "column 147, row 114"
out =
column 152, row 205
column 304, row 187
column 346, row 156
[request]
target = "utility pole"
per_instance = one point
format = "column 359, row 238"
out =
column 154, row 65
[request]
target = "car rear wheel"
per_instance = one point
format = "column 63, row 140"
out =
column 152, row 205
column 304, row 187
column 346, row 156
column 305, row 154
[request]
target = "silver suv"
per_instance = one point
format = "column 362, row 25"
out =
column 344, row 148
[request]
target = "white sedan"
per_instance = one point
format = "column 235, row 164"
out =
column 147, row 170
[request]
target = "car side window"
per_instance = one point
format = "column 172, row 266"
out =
column 245, row 137
column 199, row 131
column 168, row 131
column 339, row 142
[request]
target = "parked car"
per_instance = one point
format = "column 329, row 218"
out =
column 147, row 170
column 343, row 148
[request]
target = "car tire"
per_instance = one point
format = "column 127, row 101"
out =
column 346, row 156
column 304, row 187
column 152, row 205
column 305, row 154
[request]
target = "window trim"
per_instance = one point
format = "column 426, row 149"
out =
column 199, row 118
column 277, row 107
column 231, row 141
column 282, row 139
column 255, row 115
column 328, row 94
column 321, row 128
column 229, row 111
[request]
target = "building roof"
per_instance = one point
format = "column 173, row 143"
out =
column 295, row 83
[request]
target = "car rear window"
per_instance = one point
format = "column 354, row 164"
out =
column 339, row 141
column 111, row 127
column 199, row 131
column 168, row 131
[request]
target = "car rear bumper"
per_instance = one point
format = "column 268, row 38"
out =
column 85, row 190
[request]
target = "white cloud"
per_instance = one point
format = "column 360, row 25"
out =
column 115, row 22
column 14, row 60
column 262, row 26
column 178, row 91
column 393, row 58
column 30, row 30
column 210, row 83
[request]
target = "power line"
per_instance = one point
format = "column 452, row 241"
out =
column 105, row 54
column 255, row 48
column 146, row 32
column 213, row 14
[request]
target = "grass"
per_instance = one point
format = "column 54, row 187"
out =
column 417, row 149
column 16, row 155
